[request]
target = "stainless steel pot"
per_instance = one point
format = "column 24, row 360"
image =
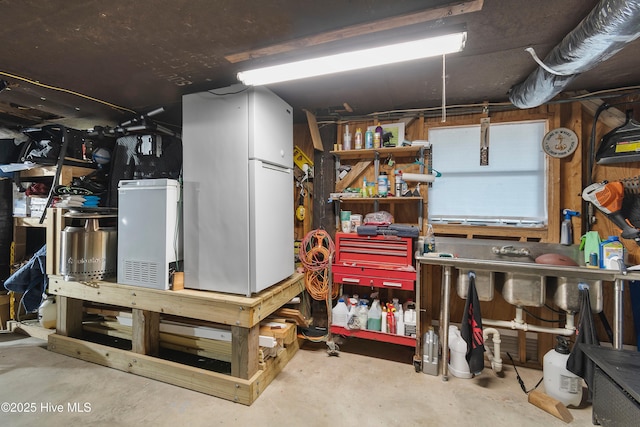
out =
column 90, row 252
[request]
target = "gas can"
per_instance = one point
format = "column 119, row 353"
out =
column 559, row 383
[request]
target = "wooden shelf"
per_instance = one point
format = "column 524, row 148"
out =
column 378, row 199
column 374, row 335
column 370, row 152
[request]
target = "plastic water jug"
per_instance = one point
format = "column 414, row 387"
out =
column 339, row 314
column 559, row 383
column 373, row 319
column 611, row 251
column 458, row 364
column 47, row 313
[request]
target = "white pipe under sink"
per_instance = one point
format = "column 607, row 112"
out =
column 519, row 324
column 494, row 358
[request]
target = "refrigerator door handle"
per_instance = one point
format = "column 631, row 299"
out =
column 275, row 167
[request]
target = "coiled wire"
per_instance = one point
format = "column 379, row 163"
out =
column 315, row 253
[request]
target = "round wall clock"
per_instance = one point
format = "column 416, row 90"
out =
column 560, row 142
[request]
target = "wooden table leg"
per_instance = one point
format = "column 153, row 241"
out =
column 244, row 351
column 69, row 322
column 145, row 332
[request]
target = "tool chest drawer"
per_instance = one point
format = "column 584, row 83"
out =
column 386, row 251
column 379, row 278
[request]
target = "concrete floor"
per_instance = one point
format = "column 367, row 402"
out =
column 314, row 389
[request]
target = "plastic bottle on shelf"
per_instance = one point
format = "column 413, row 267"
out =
column 373, row 319
column 368, row 139
column 358, row 139
column 363, row 314
column 352, row 317
column 377, row 136
column 339, row 314
column 383, row 320
column 363, row 192
column 410, row 320
column 383, row 184
column 346, row 140
column 391, row 319
column 399, row 323
column 430, row 240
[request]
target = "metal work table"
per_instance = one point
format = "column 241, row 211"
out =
column 584, row 273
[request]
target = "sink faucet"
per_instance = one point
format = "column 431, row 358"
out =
column 621, row 265
column 509, row 250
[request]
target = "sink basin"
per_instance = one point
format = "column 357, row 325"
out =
column 566, row 295
column 523, row 289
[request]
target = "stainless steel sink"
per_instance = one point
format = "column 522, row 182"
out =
column 510, row 268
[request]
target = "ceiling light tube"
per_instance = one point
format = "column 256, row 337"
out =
column 365, row 58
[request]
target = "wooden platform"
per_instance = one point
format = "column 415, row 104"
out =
column 241, row 315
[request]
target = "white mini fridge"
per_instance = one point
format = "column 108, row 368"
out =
column 149, row 232
column 238, row 189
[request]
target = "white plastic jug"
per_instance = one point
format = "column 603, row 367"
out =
column 560, row 383
column 47, row 313
column 458, row 365
column 339, row 314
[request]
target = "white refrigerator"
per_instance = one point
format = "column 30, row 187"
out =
column 238, row 189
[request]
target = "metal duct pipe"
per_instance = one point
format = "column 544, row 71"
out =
column 604, row 32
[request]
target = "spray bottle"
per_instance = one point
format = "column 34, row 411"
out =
column 566, row 235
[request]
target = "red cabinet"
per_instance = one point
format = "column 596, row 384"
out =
column 378, row 261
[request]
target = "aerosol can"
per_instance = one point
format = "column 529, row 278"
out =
column 566, row 233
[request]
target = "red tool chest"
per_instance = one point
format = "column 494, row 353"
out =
column 379, row 261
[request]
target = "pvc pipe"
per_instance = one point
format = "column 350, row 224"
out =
column 513, row 324
column 494, row 358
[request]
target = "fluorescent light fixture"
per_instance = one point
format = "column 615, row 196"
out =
column 400, row 52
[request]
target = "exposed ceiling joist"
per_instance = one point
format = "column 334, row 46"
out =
column 360, row 30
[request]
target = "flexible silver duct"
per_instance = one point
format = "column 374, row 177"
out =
column 604, row 32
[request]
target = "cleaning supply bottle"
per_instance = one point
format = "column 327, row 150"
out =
column 383, row 320
column 373, row 319
column 566, row 233
column 560, row 383
column 358, row 139
column 410, row 320
column 363, row 314
column 339, row 314
column 377, row 136
column 346, row 140
column 399, row 323
column 391, row 319
column 368, row 139
column 590, row 244
column 611, row 253
column 429, row 240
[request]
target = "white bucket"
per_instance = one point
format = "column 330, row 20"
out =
column 458, row 365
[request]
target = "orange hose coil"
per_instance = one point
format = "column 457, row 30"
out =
column 316, row 251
